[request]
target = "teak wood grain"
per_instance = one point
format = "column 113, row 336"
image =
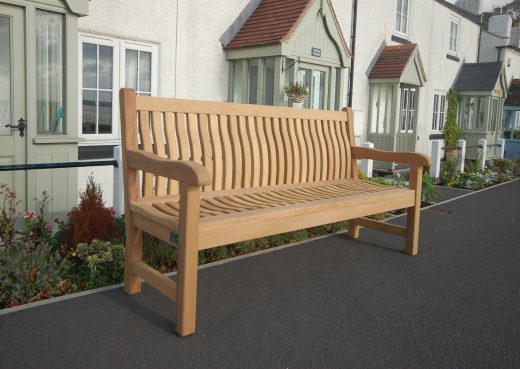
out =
column 201, row 174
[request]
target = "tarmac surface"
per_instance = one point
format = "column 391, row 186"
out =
column 327, row 303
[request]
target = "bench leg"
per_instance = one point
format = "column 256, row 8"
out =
column 413, row 213
column 187, row 260
column 134, row 253
column 353, row 229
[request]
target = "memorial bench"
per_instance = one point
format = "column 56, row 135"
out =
column 202, row 174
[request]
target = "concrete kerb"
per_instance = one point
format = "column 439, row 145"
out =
column 31, row 305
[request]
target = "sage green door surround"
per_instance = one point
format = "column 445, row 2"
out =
column 43, row 70
column 12, row 98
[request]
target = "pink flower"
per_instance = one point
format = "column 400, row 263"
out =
column 49, row 227
column 29, row 214
column 112, row 211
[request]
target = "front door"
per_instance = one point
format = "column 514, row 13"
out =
column 316, row 81
column 405, row 136
column 12, row 98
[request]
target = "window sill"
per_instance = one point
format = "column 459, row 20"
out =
column 45, row 140
column 452, row 57
column 437, row 136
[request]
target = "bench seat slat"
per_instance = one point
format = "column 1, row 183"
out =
column 225, row 208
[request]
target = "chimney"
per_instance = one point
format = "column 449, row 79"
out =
column 471, row 6
column 500, row 25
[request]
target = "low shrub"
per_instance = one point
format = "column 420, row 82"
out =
column 88, row 221
column 30, row 272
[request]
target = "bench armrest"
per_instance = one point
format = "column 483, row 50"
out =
column 411, row 158
column 184, row 171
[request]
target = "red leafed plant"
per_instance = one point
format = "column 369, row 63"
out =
column 89, row 220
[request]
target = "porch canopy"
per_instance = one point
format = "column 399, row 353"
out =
column 274, row 43
column 482, row 88
column 395, row 80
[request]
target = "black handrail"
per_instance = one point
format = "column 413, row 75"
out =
column 71, row 164
column 451, row 148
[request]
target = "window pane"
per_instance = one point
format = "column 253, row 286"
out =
column 481, row 113
column 105, row 67
column 442, row 112
column 404, row 108
column 337, row 90
column 269, row 81
column 89, row 66
column 253, row 81
column 49, row 71
column 88, row 121
column 398, row 22
column 288, row 77
column 105, row 112
column 131, row 69
column 404, row 24
column 145, row 71
column 434, row 119
column 5, row 75
column 405, row 8
column 238, row 83
column 375, row 99
column 381, row 109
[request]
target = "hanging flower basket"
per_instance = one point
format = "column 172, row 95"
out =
column 296, row 92
column 297, row 98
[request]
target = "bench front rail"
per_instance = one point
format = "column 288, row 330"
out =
column 204, row 174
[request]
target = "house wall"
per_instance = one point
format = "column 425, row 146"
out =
column 429, row 27
column 192, row 63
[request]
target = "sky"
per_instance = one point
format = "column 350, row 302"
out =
column 488, row 4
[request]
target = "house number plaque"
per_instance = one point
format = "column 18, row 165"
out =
column 316, row 52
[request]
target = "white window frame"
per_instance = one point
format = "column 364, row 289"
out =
column 119, row 48
column 439, row 110
column 453, row 44
column 399, row 13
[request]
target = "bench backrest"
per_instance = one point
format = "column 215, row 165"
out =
column 240, row 145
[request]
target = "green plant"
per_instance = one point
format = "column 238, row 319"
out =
column 451, row 129
column 297, row 88
column 448, row 173
column 429, row 192
column 104, row 261
column 516, row 134
column 89, row 220
column 8, row 215
column 30, row 272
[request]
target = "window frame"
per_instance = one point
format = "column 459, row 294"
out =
column 399, row 13
column 454, row 41
column 439, row 111
column 119, row 47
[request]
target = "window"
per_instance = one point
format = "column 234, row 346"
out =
column 108, row 65
column 495, row 113
column 401, row 16
column 454, row 36
column 49, row 73
column 259, row 87
column 408, row 100
column 439, row 112
column 381, row 108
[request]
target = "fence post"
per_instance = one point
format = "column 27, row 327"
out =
column 367, row 165
column 119, row 203
column 502, row 148
column 481, row 154
column 435, row 169
column 462, row 155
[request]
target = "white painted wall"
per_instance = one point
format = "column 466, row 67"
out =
column 192, row 63
column 429, row 27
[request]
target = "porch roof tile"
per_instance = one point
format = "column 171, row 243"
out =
column 392, row 61
column 272, row 22
column 478, row 76
column 513, row 96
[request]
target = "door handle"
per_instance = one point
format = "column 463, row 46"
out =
column 22, row 124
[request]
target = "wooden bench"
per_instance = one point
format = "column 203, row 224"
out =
column 202, row 174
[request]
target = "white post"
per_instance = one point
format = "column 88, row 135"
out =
column 119, row 202
column 462, row 156
column 501, row 148
column 481, row 154
column 435, row 169
column 367, row 165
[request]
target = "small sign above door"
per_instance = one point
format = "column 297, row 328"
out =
column 316, row 52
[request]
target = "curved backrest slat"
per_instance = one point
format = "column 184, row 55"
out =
column 244, row 145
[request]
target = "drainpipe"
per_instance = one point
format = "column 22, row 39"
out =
column 353, row 51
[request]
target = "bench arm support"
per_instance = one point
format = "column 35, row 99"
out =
column 411, row 158
column 184, row 171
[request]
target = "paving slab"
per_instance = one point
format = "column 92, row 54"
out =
column 328, row 303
